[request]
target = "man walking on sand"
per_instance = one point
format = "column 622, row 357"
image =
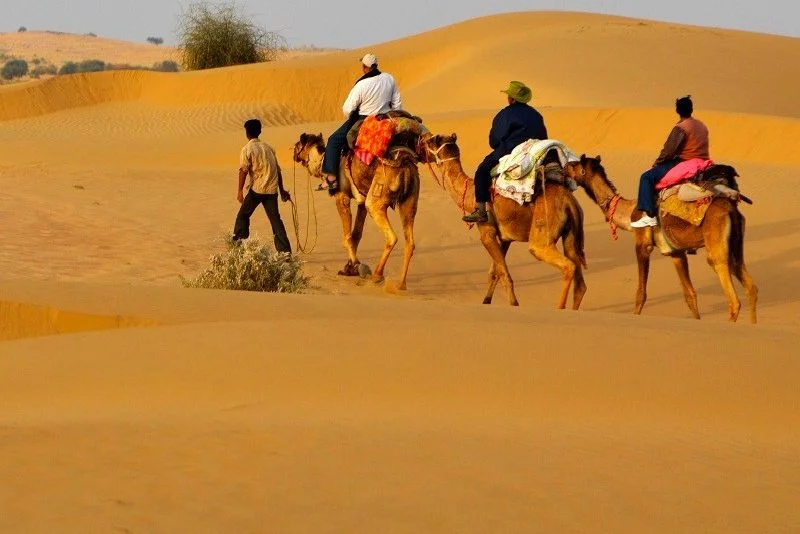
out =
column 260, row 181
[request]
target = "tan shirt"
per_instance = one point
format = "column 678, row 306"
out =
column 259, row 161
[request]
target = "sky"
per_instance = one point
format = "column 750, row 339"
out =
column 358, row 23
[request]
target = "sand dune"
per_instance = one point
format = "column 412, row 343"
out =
column 133, row 405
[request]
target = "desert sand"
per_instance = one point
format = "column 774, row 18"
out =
column 130, row 404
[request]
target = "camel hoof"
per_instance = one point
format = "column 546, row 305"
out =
column 377, row 280
column 349, row 270
column 363, row 270
column 487, row 300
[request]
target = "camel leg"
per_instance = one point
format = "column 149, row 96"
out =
column 571, row 252
column 740, row 270
column 643, row 250
column 495, row 249
column 378, row 214
column 343, row 207
column 408, row 211
column 689, row 293
column 719, row 257
column 358, row 226
column 750, row 287
column 550, row 254
column 494, row 276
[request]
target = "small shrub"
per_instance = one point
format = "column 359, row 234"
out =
column 90, row 34
column 212, row 36
column 70, row 67
column 250, row 265
column 16, row 68
column 155, row 40
column 22, row 29
column 44, row 70
column 91, row 65
column 166, row 66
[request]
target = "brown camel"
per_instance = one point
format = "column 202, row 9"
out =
column 385, row 183
column 721, row 233
column 553, row 215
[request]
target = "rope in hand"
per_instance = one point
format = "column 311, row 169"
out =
column 304, row 248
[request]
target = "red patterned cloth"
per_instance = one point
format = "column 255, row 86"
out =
column 375, row 135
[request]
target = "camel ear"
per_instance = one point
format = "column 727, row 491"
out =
column 303, row 138
column 454, row 137
column 598, row 158
column 320, row 136
column 583, row 159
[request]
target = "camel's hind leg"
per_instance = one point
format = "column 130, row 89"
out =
column 377, row 210
column 494, row 275
column 550, row 254
column 717, row 231
column 738, row 265
column 573, row 252
column 689, row 293
column 358, row 227
column 408, row 212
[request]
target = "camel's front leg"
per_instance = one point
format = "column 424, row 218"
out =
column 643, row 249
column 689, row 293
column 343, row 207
column 494, row 275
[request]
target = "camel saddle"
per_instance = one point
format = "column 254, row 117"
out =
column 690, row 200
column 405, row 127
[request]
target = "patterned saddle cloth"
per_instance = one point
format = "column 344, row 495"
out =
column 690, row 200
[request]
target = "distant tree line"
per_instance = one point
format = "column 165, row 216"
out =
column 19, row 68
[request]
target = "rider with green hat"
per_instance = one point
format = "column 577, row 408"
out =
column 515, row 124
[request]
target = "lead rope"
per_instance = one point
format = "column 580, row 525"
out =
column 310, row 201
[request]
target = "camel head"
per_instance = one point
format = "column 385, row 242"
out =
column 309, row 150
column 582, row 170
column 306, row 143
column 586, row 172
column 439, row 148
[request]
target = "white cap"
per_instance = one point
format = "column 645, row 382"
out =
column 369, row 60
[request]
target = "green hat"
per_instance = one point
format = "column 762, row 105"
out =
column 519, row 92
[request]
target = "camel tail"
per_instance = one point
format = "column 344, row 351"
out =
column 736, row 239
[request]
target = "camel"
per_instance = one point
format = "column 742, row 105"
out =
column 553, row 215
column 721, row 233
column 375, row 188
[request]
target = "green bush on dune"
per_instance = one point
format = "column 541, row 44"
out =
column 16, row 68
column 250, row 265
column 212, row 36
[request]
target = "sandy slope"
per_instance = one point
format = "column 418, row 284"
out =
column 354, row 408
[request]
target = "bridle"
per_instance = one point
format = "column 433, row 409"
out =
column 609, row 208
column 438, row 160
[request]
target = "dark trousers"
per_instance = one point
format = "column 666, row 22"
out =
column 483, row 178
column 336, row 143
column 241, row 229
column 647, row 186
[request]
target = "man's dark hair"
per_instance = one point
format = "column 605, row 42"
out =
column 253, row 128
column 684, row 107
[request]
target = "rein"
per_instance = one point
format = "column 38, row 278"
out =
column 610, row 208
column 304, row 247
column 441, row 161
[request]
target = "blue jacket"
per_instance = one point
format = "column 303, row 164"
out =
column 515, row 124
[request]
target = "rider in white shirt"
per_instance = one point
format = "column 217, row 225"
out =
column 374, row 93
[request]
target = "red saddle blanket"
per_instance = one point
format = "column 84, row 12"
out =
column 374, row 136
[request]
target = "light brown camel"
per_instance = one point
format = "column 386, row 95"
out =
column 552, row 216
column 721, row 233
column 375, row 188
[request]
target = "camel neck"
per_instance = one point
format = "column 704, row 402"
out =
column 315, row 157
column 458, row 185
column 617, row 211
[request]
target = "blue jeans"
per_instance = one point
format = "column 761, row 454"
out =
column 336, row 143
column 483, row 178
column 647, row 186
